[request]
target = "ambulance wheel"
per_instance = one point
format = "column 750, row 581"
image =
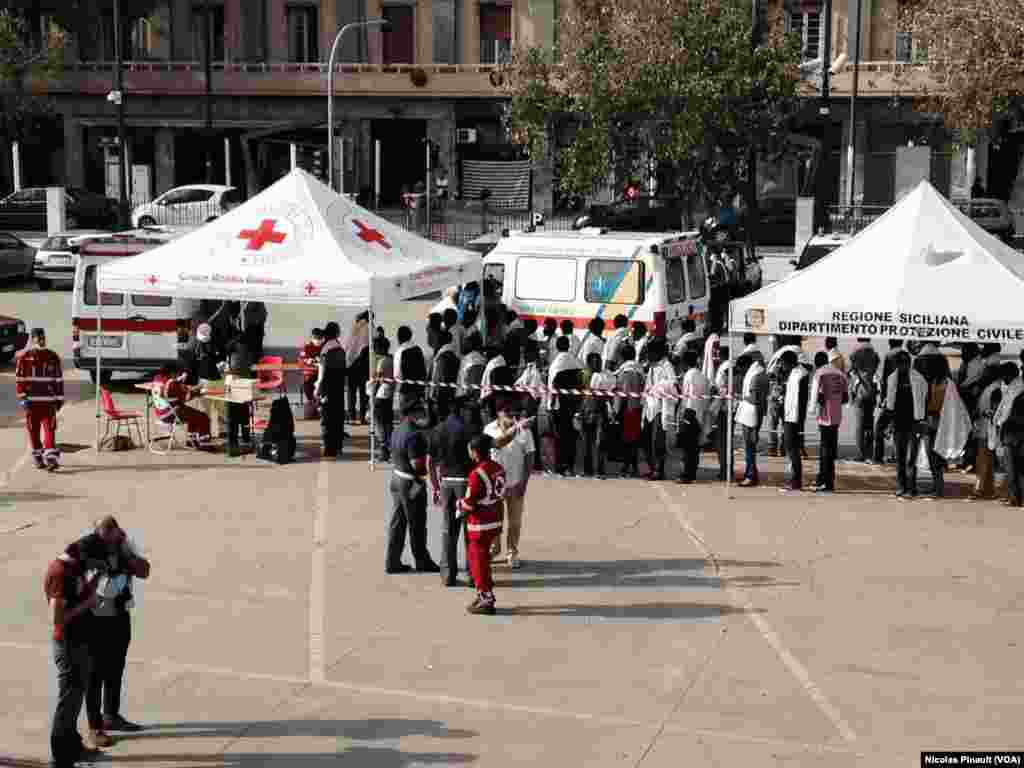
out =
column 44, row 285
column 6, row 357
column 147, row 221
column 105, row 377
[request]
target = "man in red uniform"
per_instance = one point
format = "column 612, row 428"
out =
column 40, row 387
column 309, row 356
column 483, row 511
column 169, row 395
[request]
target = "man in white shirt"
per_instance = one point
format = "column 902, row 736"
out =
column 693, row 408
column 660, row 406
column 514, row 450
column 612, row 347
column 593, row 342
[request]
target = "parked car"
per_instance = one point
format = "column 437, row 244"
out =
column 641, row 214
column 55, row 258
column 818, row 247
column 13, row 337
column 990, row 214
column 193, row 204
column 26, row 209
column 16, row 257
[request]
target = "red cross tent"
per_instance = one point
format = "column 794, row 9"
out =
column 297, row 242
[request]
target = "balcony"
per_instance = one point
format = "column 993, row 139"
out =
column 878, row 78
column 187, row 78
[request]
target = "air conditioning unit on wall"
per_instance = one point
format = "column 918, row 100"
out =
column 465, row 136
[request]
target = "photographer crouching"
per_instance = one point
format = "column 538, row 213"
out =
column 115, row 561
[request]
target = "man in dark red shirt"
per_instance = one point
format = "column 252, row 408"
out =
column 70, row 599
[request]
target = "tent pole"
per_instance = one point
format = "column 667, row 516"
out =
column 729, row 450
column 99, row 356
column 373, row 420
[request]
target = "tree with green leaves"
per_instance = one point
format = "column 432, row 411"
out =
column 972, row 52
column 24, row 51
column 676, row 84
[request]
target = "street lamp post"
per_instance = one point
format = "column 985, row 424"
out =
column 119, row 101
column 383, row 23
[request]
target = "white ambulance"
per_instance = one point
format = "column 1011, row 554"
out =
column 139, row 333
column 660, row 279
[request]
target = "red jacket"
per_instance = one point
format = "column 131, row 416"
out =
column 38, row 377
column 482, row 502
column 168, row 394
column 310, row 355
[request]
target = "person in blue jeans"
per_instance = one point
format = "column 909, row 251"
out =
column 751, row 412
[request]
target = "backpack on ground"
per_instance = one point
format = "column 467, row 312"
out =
column 278, row 440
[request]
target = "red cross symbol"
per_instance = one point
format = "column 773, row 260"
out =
column 310, row 288
column 152, row 280
column 259, row 237
column 370, row 235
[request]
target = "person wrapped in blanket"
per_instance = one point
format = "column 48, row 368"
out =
column 170, row 393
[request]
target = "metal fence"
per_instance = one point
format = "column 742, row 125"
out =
column 852, row 219
column 457, row 227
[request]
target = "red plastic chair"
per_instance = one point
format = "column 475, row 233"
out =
column 116, row 418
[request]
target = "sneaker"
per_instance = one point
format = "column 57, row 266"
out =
column 514, row 562
column 428, row 567
column 400, row 568
column 480, row 607
column 40, row 464
column 118, row 723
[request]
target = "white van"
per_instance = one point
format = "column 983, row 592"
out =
column 139, row 333
column 659, row 279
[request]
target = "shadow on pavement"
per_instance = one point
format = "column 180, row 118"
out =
column 634, row 573
column 632, row 612
column 360, row 757
column 353, row 730
column 356, row 730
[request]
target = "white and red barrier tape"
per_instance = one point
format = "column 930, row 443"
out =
column 542, row 390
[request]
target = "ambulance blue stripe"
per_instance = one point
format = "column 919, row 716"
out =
column 615, row 289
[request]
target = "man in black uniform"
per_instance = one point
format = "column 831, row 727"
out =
column 330, row 390
column 409, row 492
column 449, row 465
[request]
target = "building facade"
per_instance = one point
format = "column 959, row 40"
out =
column 433, row 75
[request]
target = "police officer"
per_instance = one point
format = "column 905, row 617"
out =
column 39, row 383
column 330, row 391
column 409, row 491
column 449, row 465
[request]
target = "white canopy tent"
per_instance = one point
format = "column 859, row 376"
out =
column 922, row 271
column 297, row 242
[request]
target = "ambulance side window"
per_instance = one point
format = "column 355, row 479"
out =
column 140, row 300
column 109, row 299
column 614, row 282
column 695, row 273
column 675, row 282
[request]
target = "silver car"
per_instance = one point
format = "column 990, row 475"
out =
column 17, row 258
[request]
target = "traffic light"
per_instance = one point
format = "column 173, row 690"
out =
column 318, row 164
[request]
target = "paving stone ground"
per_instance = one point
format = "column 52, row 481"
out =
column 652, row 624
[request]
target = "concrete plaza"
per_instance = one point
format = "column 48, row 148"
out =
column 651, row 624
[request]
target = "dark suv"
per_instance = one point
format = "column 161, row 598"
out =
column 26, row 209
column 641, row 214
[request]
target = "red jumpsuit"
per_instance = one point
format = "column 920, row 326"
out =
column 482, row 507
column 40, row 386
